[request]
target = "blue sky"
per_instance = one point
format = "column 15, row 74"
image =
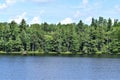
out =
column 55, row 11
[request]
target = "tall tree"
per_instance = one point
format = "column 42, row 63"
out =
column 23, row 25
column 109, row 24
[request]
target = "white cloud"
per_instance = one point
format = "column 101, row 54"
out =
column 7, row 3
column 10, row 2
column 113, row 21
column 66, row 21
column 85, row 2
column 2, row 6
column 117, row 8
column 18, row 18
column 41, row 1
column 35, row 20
column 77, row 14
column 88, row 20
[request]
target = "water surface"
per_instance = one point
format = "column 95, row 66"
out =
column 58, row 68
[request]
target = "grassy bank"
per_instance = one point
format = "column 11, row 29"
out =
column 68, row 54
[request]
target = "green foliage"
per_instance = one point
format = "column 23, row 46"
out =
column 101, row 37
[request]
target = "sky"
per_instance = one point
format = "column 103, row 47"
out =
column 55, row 11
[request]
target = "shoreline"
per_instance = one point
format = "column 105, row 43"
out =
column 62, row 54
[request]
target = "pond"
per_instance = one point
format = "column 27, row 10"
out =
column 58, row 68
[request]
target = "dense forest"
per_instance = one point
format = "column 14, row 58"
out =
column 100, row 37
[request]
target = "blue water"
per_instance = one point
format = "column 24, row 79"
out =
column 58, row 68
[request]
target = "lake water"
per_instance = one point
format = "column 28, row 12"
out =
column 58, row 68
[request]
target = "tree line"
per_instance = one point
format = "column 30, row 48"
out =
column 100, row 37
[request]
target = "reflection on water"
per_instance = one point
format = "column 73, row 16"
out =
column 58, row 68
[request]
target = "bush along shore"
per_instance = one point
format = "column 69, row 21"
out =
column 101, row 37
column 62, row 54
